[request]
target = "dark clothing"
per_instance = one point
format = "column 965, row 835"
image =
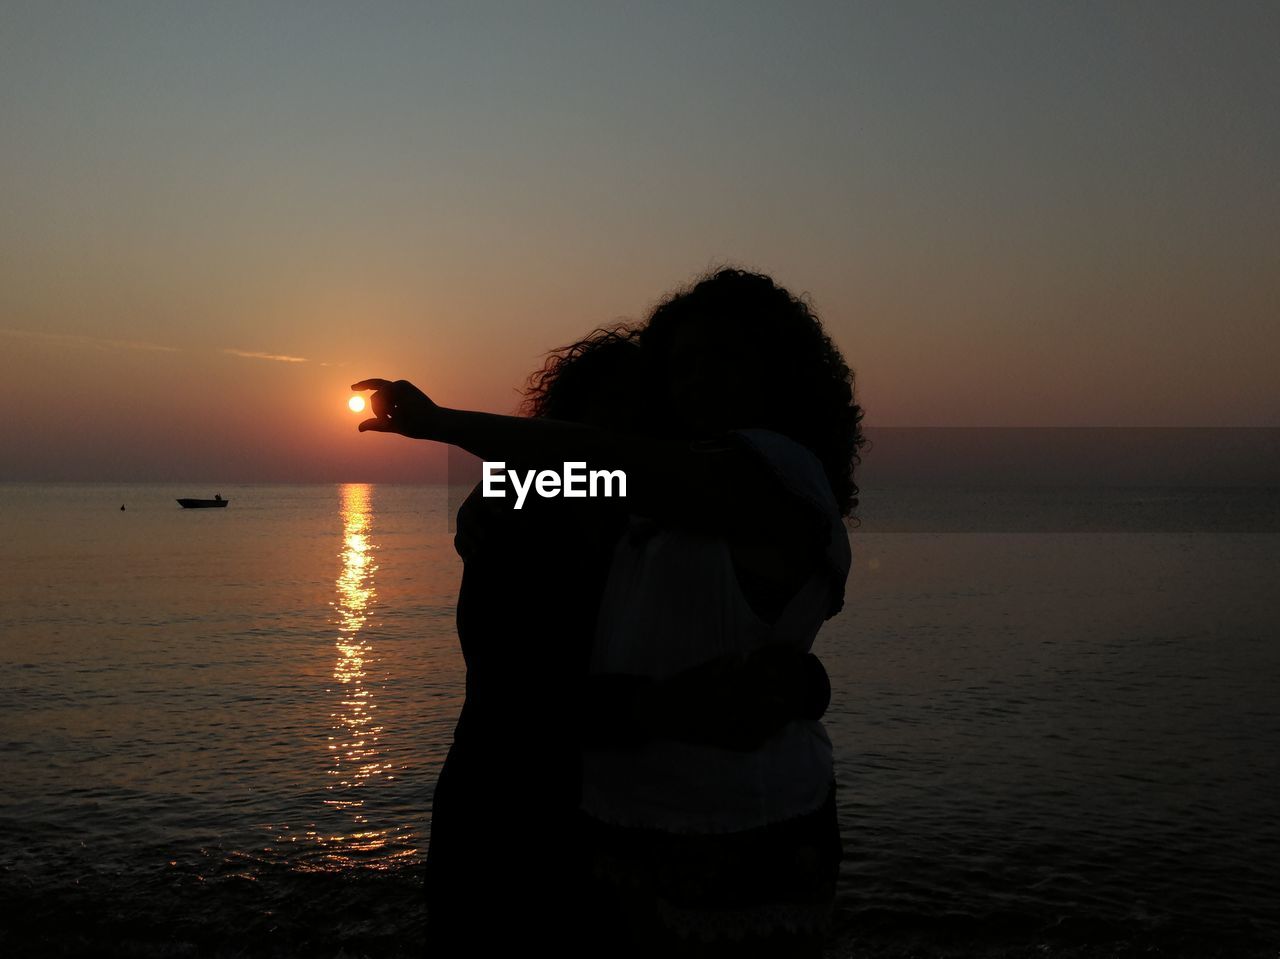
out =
column 762, row 892
column 509, row 863
column 505, row 866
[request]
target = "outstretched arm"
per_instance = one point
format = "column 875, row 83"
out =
column 666, row 478
column 705, row 487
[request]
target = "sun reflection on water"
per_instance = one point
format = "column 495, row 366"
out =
column 355, row 757
column 357, row 829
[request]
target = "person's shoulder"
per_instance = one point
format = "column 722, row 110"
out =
column 791, row 463
column 797, row 470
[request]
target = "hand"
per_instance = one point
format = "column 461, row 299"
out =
column 399, row 407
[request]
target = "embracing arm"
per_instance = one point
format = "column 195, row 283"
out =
column 732, row 702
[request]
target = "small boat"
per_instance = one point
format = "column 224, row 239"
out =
column 203, row 503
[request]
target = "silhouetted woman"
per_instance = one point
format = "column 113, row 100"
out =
column 734, row 547
column 708, row 850
column 505, row 864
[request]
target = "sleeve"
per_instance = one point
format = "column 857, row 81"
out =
column 801, row 473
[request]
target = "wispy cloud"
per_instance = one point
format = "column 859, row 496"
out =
column 87, row 342
column 279, row 358
column 77, row 341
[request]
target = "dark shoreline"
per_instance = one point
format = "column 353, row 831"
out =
column 373, row 916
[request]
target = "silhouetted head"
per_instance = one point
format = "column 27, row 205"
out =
column 598, row 380
column 737, row 351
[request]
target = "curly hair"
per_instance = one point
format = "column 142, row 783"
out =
column 599, row 373
column 801, row 385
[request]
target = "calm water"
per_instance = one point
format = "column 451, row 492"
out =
column 221, row 729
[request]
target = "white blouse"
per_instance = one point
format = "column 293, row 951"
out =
column 672, row 601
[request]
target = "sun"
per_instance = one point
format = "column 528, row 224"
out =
column 356, row 403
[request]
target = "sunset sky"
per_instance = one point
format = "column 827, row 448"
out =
column 215, row 217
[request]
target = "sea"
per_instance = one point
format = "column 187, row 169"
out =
column 1056, row 719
